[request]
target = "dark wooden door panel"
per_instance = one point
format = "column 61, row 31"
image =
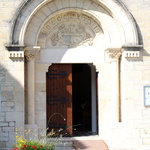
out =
column 59, row 97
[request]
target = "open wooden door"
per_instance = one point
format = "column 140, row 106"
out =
column 59, row 97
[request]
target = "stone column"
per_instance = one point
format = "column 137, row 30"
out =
column 31, row 54
column 114, row 56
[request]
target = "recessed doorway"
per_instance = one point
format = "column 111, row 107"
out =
column 81, row 97
column 71, row 95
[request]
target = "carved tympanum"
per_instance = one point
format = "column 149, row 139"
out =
column 70, row 29
column 70, row 34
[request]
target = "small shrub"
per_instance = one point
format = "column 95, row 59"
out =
column 31, row 144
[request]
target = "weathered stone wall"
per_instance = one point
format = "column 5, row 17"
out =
column 134, row 128
column 137, row 75
column 133, row 132
column 11, row 79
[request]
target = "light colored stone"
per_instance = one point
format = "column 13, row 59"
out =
column 87, row 4
column 2, row 144
column 3, row 136
column 7, row 104
column 111, row 26
column 40, row 87
column 146, row 141
column 65, row 3
column 59, row 4
column 3, row 124
column 8, row 129
column 12, row 124
column 7, row 96
column 2, row 119
column 14, row 116
column 52, row 6
column 8, row 108
column 145, row 133
column 80, row 3
column 11, row 139
column 73, row 3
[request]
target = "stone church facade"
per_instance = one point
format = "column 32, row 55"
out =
column 105, row 43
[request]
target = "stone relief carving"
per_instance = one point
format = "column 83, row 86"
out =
column 114, row 53
column 31, row 54
column 70, row 34
column 70, row 29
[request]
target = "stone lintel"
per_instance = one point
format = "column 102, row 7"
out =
column 15, row 47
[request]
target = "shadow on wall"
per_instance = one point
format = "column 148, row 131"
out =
column 11, row 100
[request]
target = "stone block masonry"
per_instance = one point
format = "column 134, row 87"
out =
column 53, row 26
column 6, row 128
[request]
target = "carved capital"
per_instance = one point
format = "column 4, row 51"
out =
column 31, row 53
column 114, row 53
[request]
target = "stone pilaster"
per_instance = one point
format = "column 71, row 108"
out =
column 30, row 54
column 114, row 56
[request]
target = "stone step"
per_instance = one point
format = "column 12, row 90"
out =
column 61, row 144
column 64, row 145
column 65, row 148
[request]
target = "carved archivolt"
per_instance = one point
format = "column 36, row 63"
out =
column 70, row 29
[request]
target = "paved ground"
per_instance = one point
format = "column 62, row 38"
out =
column 81, row 143
column 90, row 145
column 65, row 145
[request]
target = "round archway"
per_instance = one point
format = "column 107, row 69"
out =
column 114, row 19
column 68, row 31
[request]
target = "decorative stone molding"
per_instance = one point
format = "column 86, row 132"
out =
column 114, row 53
column 120, row 15
column 132, row 51
column 131, row 54
column 132, row 47
column 15, row 47
column 16, row 55
column 16, row 52
column 31, row 53
column 69, row 29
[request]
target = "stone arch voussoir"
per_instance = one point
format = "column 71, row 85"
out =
column 116, row 22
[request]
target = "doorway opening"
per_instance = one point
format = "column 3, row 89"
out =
column 72, row 94
column 81, row 96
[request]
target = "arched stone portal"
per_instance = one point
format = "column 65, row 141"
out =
column 111, row 15
column 71, row 31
